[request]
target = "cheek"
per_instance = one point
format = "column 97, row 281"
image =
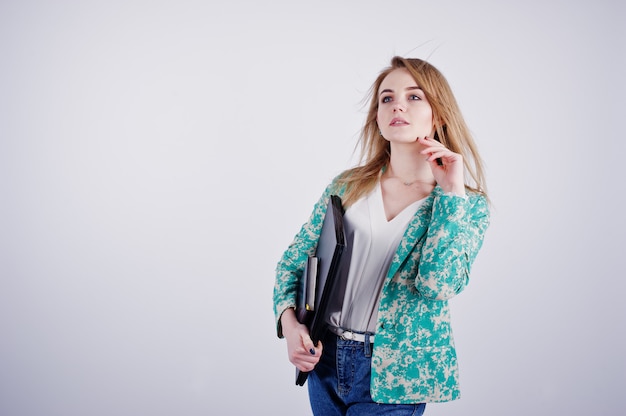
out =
column 428, row 117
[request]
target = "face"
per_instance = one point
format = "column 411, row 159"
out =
column 404, row 113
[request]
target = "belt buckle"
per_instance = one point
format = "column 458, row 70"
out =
column 347, row 335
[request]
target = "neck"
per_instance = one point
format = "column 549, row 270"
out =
column 408, row 165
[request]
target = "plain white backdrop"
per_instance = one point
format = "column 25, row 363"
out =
column 156, row 158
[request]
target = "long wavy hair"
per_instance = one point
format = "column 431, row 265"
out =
column 450, row 130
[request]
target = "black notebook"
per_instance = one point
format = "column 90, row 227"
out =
column 328, row 253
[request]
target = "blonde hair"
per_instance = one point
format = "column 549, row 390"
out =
column 450, row 130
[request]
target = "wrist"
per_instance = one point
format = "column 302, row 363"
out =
column 288, row 319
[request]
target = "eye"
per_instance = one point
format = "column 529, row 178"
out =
column 385, row 99
column 414, row 97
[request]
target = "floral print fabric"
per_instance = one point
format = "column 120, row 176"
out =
column 414, row 358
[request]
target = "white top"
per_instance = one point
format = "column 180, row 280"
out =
column 374, row 241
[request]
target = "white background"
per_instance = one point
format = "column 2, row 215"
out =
column 156, row 158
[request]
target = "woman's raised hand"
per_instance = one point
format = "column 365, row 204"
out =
column 448, row 174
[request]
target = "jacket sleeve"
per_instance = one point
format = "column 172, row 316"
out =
column 454, row 237
column 291, row 265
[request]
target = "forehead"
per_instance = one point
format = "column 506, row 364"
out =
column 397, row 79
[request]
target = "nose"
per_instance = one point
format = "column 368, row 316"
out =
column 398, row 106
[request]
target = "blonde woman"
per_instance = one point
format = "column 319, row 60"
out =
column 416, row 214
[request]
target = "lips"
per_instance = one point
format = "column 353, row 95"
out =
column 397, row 121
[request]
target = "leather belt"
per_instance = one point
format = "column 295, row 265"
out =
column 353, row 335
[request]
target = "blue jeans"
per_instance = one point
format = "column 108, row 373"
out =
column 340, row 383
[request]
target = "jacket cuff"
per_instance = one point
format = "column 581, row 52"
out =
column 279, row 325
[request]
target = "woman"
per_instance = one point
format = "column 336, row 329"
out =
column 416, row 213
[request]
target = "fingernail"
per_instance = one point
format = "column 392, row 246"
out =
column 312, row 351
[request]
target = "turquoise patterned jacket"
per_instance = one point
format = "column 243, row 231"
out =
column 414, row 358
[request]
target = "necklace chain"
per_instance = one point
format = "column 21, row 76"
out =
column 404, row 182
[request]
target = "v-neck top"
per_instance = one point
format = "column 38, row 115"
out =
column 373, row 242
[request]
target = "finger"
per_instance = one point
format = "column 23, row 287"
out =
column 306, row 367
column 430, row 141
column 308, row 344
column 318, row 349
column 307, row 361
column 433, row 148
column 432, row 157
column 436, row 155
column 312, row 354
column 443, row 153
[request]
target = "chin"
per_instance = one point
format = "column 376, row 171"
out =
column 403, row 140
column 402, row 136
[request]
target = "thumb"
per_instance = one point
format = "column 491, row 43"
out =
column 308, row 344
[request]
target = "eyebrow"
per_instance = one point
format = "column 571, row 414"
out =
column 390, row 90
